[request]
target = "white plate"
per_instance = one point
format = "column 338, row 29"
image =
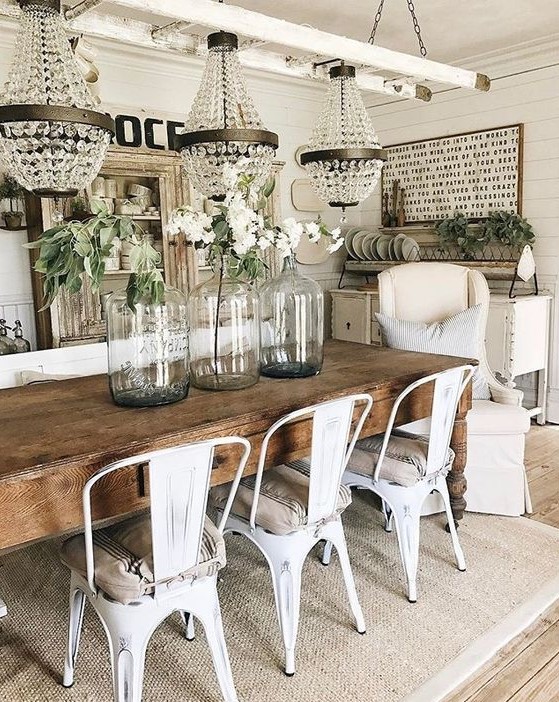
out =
column 410, row 249
column 373, row 247
column 357, row 244
column 366, row 245
column 383, row 247
column 391, row 250
column 348, row 239
column 398, row 243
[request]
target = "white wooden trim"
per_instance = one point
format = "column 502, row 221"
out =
column 81, row 8
column 271, row 29
column 169, row 37
column 276, row 63
column 87, row 359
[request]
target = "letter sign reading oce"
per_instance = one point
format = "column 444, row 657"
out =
column 149, row 132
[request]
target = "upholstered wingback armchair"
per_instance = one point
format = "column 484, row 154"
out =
column 430, row 292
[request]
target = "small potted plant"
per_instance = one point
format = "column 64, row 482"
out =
column 11, row 190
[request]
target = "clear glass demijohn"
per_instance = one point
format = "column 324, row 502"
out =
column 292, row 311
column 148, row 349
column 224, row 317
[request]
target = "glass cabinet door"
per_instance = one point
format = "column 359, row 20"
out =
column 145, row 185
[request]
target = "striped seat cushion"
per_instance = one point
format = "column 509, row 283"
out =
column 124, row 561
column 405, row 460
column 284, row 495
column 458, row 335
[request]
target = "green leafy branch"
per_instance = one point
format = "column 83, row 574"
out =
column 71, row 250
column 510, row 229
column 506, row 228
column 456, row 231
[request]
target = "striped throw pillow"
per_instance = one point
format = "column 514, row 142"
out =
column 455, row 336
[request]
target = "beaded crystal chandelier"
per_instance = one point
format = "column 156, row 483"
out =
column 345, row 159
column 52, row 139
column 223, row 124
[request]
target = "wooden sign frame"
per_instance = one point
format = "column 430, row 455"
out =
column 437, row 141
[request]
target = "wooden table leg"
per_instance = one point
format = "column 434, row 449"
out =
column 456, row 480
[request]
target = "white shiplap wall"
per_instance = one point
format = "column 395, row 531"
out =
column 531, row 97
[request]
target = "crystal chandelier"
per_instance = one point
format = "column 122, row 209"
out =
column 345, row 158
column 52, row 139
column 223, row 124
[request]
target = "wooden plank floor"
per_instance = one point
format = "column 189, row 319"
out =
column 527, row 669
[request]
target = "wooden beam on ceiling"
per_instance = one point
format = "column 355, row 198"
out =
column 169, row 30
column 143, row 35
column 276, row 63
column 81, row 8
column 255, row 25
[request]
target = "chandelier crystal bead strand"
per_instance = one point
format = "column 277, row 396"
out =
column 223, row 124
column 345, row 159
column 53, row 140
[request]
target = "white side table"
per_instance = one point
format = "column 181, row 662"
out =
column 517, row 341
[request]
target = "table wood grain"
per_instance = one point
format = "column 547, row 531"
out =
column 55, row 435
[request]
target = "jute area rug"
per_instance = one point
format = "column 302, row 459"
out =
column 509, row 561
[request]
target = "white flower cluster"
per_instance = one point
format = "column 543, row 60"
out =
column 288, row 236
column 197, row 226
column 246, row 226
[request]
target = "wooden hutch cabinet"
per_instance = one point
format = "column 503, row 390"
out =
column 77, row 319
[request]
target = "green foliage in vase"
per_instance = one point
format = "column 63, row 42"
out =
column 71, row 250
column 11, row 190
column 509, row 229
column 457, row 231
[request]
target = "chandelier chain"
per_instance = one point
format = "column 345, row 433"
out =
column 378, row 15
column 416, row 27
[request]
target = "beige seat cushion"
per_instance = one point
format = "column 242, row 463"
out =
column 284, row 494
column 405, row 460
column 124, row 561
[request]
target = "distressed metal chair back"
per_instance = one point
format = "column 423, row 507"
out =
column 448, row 388
column 179, row 481
column 331, row 448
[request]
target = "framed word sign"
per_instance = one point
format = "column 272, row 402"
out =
column 475, row 172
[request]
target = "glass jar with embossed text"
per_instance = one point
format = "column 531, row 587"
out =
column 148, row 349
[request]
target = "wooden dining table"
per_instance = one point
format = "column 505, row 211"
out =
column 54, row 436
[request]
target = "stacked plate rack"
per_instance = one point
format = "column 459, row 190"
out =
column 370, row 252
column 365, row 245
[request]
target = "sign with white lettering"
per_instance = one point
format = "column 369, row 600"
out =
column 475, row 173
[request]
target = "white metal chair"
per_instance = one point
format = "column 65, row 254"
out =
column 140, row 571
column 313, row 492
column 417, row 468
